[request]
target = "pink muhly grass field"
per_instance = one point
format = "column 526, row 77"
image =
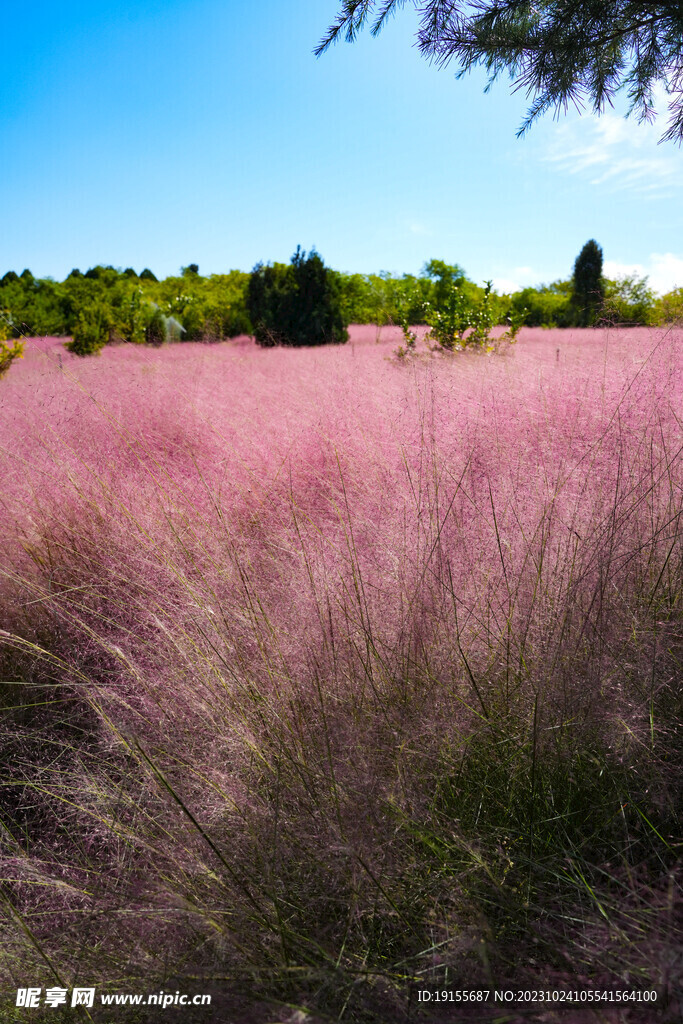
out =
column 322, row 663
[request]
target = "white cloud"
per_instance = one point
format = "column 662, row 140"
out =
column 666, row 271
column 416, row 227
column 619, row 154
column 516, row 279
column 613, row 269
column 663, row 270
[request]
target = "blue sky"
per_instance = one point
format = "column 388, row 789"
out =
column 168, row 132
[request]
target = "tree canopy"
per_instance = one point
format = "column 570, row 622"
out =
column 558, row 51
column 297, row 304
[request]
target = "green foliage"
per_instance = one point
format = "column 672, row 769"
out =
column 587, row 284
column 449, row 319
column 155, row 331
column 406, row 321
column 188, row 309
column 629, row 300
column 33, row 306
column 104, row 306
column 91, row 330
column 8, row 353
column 626, row 301
column 297, row 304
column 131, row 315
column 559, row 52
column 482, row 319
column 382, row 299
column 209, row 308
column 461, row 316
column 669, row 308
column 206, row 308
column 446, row 277
column 481, row 307
column 5, row 325
column 545, row 306
column 108, row 305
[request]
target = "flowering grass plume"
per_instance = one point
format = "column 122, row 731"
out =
column 328, row 677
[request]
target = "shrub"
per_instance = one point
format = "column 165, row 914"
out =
column 8, row 353
column 545, row 306
column 132, row 314
column 460, row 320
column 5, row 325
column 236, row 321
column 91, row 332
column 446, row 277
column 449, row 317
column 190, row 313
column 669, row 308
column 629, row 300
column 381, row 299
column 296, row 305
column 155, row 332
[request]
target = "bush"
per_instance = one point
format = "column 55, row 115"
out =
column 299, row 304
column 669, row 308
column 629, row 301
column 449, row 317
column 132, row 314
column 236, row 321
column 545, row 306
column 155, row 332
column 91, row 332
column 8, row 353
column 462, row 317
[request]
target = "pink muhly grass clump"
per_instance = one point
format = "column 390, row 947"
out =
column 325, row 662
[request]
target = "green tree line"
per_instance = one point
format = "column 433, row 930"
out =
column 627, row 301
column 105, row 305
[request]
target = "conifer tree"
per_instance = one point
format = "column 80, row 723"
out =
column 558, row 51
column 587, row 284
column 296, row 304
